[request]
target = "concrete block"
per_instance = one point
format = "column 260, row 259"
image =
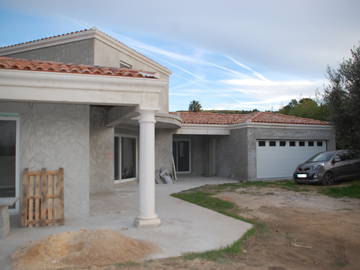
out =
column 4, row 221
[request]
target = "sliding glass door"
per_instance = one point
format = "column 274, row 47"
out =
column 8, row 152
column 125, row 157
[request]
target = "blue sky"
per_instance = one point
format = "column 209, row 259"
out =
column 226, row 54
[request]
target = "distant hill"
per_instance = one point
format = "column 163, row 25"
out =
column 226, row 111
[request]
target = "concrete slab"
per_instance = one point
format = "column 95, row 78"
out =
column 185, row 227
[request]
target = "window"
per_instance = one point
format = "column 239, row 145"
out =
column 282, row 143
column 272, row 143
column 301, row 143
column 319, row 143
column 310, row 143
column 292, row 143
column 125, row 65
column 261, row 143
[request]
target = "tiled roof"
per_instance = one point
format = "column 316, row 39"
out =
column 255, row 117
column 50, row 66
column 46, row 38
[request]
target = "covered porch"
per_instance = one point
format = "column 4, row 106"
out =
column 55, row 118
column 185, row 227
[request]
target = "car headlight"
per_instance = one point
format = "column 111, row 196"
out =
column 317, row 167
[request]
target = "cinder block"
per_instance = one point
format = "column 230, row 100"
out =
column 4, row 221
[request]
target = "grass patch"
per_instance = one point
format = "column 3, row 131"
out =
column 218, row 254
column 350, row 191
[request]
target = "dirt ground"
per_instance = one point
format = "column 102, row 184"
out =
column 304, row 230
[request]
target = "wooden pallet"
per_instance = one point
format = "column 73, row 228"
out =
column 42, row 198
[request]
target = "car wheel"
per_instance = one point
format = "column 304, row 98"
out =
column 328, row 179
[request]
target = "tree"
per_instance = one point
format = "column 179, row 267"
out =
column 306, row 107
column 194, row 106
column 343, row 99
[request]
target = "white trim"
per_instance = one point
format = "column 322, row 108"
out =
column 203, row 130
column 120, row 180
column 92, row 33
column 56, row 87
column 189, row 141
column 17, row 160
column 214, row 129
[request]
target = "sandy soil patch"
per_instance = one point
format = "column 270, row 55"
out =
column 80, row 249
column 306, row 230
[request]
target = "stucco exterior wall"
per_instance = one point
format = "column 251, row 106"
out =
column 163, row 149
column 199, row 154
column 105, row 55
column 101, row 151
column 231, row 155
column 77, row 52
column 308, row 133
column 54, row 136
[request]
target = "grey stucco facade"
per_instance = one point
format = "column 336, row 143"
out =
column 234, row 155
column 286, row 133
column 101, row 151
column 77, row 52
column 54, row 136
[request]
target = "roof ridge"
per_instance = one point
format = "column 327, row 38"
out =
column 256, row 114
column 48, row 37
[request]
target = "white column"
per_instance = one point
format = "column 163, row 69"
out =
column 147, row 215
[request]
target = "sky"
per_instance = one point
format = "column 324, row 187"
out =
column 229, row 54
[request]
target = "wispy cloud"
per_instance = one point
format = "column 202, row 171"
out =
column 257, row 74
column 221, row 81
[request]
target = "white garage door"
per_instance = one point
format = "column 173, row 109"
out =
column 279, row 158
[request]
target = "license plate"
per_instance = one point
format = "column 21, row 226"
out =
column 301, row 175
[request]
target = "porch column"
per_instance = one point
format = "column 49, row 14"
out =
column 147, row 215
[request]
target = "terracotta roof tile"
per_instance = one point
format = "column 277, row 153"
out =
column 50, row 66
column 255, row 117
column 269, row 117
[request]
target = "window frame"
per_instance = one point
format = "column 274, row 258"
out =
column 120, row 180
column 16, row 118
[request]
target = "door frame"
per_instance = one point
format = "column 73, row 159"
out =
column 189, row 141
column 120, row 136
column 12, row 117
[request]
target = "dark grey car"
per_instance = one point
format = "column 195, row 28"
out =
column 328, row 167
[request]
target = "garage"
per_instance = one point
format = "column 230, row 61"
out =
column 279, row 158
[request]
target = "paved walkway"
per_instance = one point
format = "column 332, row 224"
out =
column 185, row 227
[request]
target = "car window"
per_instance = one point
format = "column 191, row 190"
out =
column 344, row 156
column 355, row 154
column 324, row 156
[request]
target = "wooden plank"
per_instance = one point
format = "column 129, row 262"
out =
column 55, row 197
column 24, row 201
column 37, row 199
column 49, row 197
column 61, row 194
column 33, row 173
column 30, row 194
column 43, row 196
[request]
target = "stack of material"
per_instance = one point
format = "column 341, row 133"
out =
column 84, row 248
